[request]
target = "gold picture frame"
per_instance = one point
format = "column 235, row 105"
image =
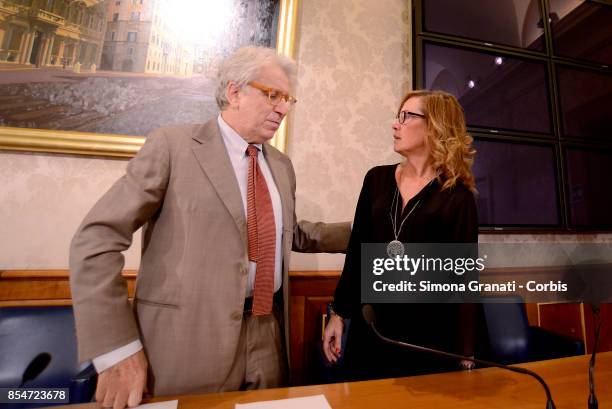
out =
column 114, row 145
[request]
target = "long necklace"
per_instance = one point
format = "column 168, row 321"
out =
column 395, row 247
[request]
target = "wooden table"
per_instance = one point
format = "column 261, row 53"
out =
column 482, row 388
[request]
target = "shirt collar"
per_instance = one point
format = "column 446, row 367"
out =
column 235, row 144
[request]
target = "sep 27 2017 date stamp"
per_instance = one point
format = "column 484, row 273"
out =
column 34, row 395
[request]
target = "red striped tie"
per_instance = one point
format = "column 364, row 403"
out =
column 262, row 235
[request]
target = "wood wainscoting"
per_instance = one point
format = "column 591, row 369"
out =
column 310, row 292
column 42, row 287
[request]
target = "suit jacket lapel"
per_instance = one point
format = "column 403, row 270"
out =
column 212, row 156
column 281, row 178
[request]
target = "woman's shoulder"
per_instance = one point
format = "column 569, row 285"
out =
column 461, row 189
column 381, row 171
column 457, row 193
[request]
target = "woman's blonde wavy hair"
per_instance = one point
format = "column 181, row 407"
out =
column 451, row 151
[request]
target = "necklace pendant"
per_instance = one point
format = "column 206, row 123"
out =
column 395, row 248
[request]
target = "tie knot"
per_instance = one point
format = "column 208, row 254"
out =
column 252, row 151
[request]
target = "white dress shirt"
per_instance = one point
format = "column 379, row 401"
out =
column 236, row 148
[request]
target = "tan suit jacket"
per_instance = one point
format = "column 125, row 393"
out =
column 192, row 280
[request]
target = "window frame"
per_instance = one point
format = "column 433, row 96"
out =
column 420, row 37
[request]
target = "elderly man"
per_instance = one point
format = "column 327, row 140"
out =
column 210, row 310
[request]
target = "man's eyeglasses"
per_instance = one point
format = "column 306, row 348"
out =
column 275, row 96
column 404, row 116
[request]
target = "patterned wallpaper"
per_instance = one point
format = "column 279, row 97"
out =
column 353, row 68
column 43, row 200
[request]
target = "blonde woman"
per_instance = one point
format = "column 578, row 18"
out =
column 427, row 198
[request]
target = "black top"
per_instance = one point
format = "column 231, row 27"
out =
column 441, row 216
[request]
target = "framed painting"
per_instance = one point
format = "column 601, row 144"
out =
column 93, row 77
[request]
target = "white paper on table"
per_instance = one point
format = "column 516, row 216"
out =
column 307, row 402
column 168, row 404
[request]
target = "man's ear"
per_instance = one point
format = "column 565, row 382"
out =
column 232, row 92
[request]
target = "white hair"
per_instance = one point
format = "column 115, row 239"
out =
column 244, row 65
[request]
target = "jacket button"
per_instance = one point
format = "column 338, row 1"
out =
column 244, row 270
column 237, row 316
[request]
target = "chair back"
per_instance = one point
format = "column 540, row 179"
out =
column 507, row 328
column 29, row 334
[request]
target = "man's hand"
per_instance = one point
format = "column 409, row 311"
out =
column 332, row 338
column 123, row 384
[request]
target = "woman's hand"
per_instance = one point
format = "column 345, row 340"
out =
column 332, row 338
column 466, row 364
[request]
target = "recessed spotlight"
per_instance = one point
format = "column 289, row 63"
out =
column 471, row 83
column 499, row 60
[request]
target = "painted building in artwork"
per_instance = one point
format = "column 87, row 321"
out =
column 52, row 33
column 139, row 40
column 252, row 22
